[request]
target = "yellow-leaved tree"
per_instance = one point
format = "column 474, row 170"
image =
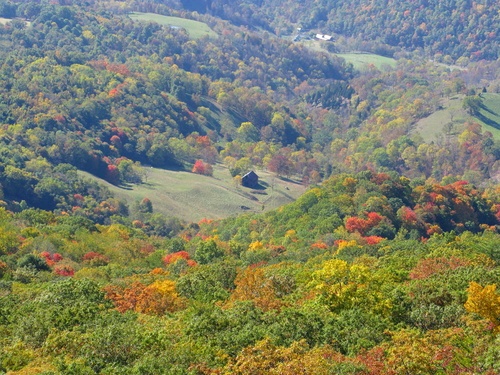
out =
column 253, row 285
column 264, row 358
column 343, row 286
column 156, row 298
column 159, row 297
column 485, row 302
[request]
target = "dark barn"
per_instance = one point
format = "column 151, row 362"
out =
column 250, row 180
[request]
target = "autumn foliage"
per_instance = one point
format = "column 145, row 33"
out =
column 51, row 259
column 156, row 298
column 63, row 270
column 252, row 284
column 373, row 240
column 200, row 167
column 362, row 226
column 484, row 301
column 431, row 266
column 95, row 259
column 388, row 266
column 177, row 256
column 264, row 358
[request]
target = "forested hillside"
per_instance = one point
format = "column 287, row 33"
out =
column 107, row 94
column 104, row 93
column 370, row 274
column 388, row 263
column 444, row 29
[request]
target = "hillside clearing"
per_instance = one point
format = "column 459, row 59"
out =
column 452, row 116
column 362, row 61
column 449, row 120
column 195, row 29
column 5, row 21
column 192, row 197
column 359, row 60
column 489, row 115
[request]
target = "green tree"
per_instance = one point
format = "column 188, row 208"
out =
column 247, row 132
column 207, row 251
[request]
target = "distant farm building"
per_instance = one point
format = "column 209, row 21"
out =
column 324, row 37
column 250, row 180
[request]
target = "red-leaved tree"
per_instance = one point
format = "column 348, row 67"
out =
column 202, row 168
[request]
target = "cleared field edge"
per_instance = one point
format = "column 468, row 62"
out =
column 5, row 21
column 452, row 113
column 490, row 113
column 191, row 197
column 195, row 29
column 362, row 60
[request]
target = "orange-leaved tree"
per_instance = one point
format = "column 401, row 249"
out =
column 253, row 285
column 264, row 358
column 156, row 298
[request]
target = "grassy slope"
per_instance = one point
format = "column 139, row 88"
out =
column 194, row 28
column 192, row 197
column 359, row 60
column 490, row 113
column 5, row 21
column 452, row 112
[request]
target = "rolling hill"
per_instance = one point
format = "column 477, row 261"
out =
column 438, row 27
column 377, row 254
column 449, row 119
column 195, row 29
column 192, row 197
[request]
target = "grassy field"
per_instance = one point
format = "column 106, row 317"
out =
column 361, row 61
column 5, row 21
column 490, row 114
column 453, row 114
column 195, row 29
column 192, row 197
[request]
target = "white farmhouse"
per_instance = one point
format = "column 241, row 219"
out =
column 324, row 37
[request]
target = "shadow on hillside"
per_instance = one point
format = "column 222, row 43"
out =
column 287, row 179
column 489, row 110
column 147, row 184
column 126, row 186
column 260, row 186
column 178, row 168
column 487, row 120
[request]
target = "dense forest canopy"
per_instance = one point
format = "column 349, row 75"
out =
column 447, row 28
column 360, row 276
column 107, row 94
column 387, row 264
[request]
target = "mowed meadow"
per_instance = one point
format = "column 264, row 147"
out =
column 489, row 115
column 450, row 118
column 192, row 197
column 361, row 61
column 195, row 29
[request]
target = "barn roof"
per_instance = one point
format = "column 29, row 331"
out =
column 251, row 173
